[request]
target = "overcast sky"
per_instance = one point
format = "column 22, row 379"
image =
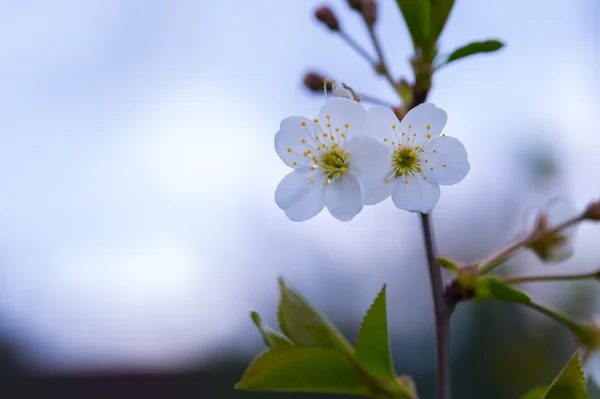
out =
column 137, row 221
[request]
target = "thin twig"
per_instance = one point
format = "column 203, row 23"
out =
column 357, row 47
column 374, row 100
column 564, row 320
column 442, row 310
column 565, row 277
column 442, row 315
column 496, row 260
column 381, row 66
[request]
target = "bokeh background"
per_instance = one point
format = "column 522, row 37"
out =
column 137, row 221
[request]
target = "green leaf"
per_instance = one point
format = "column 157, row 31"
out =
column 373, row 344
column 440, row 12
column 497, row 289
column 570, row 383
column 304, row 325
column 537, row 393
column 473, row 48
column 295, row 369
column 417, row 15
column 271, row 338
column 447, row 264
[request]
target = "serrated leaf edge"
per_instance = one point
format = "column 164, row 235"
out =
column 580, row 381
column 382, row 292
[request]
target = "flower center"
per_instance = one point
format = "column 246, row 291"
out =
column 334, row 163
column 405, row 160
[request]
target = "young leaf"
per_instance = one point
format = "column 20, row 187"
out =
column 304, row 325
column 493, row 287
column 271, row 338
column 447, row 263
column 373, row 344
column 295, row 369
column 570, row 383
column 440, row 12
column 473, row 48
column 537, row 393
column 417, row 15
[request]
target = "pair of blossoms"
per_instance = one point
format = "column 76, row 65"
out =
column 349, row 157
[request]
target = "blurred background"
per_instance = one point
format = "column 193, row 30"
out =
column 137, row 221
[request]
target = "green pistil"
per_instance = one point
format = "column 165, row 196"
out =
column 405, row 160
column 334, row 163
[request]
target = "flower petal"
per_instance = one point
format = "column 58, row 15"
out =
column 369, row 159
column 592, row 367
column 344, row 197
column 293, row 139
column 559, row 209
column 418, row 195
column 448, row 164
column 309, row 206
column 342, row 112
column 379, row 191
column 297, row 185
column 418, row 119
column 379, row 124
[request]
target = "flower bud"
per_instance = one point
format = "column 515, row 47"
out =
column 558, row 246
column 368, row 9
column 467, row 277
column 356, row 5
column 342, row 90
column 593, row 211
column 326, row 15
column 314, row 82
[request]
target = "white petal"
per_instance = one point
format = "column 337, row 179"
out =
column 309, row 206
column 449, row 161
column 418, row 195
column 592, row 368
column 379, row 124
column 289, row 139
column 560, row 253
column 297, row 185
column 559, row 209
column 369, row 159
column 379, row 191
column 344, row 197
column 339, row 90
column 422, row 116
column 342, row 112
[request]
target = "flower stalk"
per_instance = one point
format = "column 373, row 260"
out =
column 542, row 278
column 496, row 260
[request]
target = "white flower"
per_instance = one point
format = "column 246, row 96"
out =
column 554, row 247
column 341, row 90
column 590, row 351
column 421, row 160
column 332, row 159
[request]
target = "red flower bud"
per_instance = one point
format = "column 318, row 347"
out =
column 314, row 82
column 326, row 15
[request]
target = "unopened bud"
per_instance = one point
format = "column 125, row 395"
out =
column 467, row 277
column 355, row 5
column 343, row 90
column 326, row 15
column 593, row 211
column 553, row 246
column 314, row 82
column 369, row 11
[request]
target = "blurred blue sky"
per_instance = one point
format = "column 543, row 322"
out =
column 137, row 221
